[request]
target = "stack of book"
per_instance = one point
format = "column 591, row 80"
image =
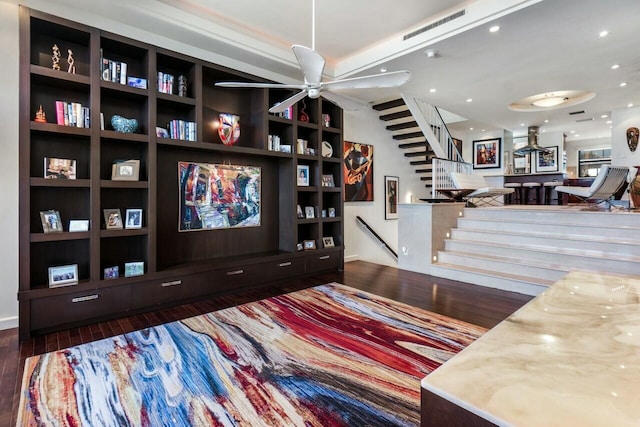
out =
column 72, row 114
column 273, row 143
column 179, row 129
column 286, row 114
column 165, row 83
column 113, row 71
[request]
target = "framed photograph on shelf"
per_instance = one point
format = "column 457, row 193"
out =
column 391, row 187
column 331, row 212
column 51, row 222
column 59, row 168
column 309, row 245
column 78, row 225
column 309, row 212
column 486, row 153
column 133, row 218
column 63, row 275
column 133, row 269
column 112, row 218
column 547, row 161
column 111, row 273
column 327, row 181
column 300, row 247
column 327, row 242
column 125, row 170
column 358, row 172
column 303, row 175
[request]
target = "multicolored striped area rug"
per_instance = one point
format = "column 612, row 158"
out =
column 325, row 356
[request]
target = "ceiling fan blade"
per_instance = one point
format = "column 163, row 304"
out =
column 259, row 85
column 343, row 101
column 281, row 106
column 393, row 79
column 311, row 63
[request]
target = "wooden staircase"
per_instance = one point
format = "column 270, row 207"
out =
column 407, row 132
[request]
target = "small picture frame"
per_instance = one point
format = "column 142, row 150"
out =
column 309, row 212
column 391, row 189
column 63, row 275
column 112, row 219
column 133, row 218
column 487, row 153
column 299, row 212
column 55, row 168
column 111, row 273
column 324, row 213
column 327, row 242
column 309, row 245
column 331, row 212
column 133, row 269
column 327, row 181
column 51, row 222
column 78, row 225
column 300, row 247
column 162, row 132
column 125, row 170
column 303, row 175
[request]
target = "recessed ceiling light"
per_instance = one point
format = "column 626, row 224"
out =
column 431, row 53
column 550, row 100
column 546, row 121
column 630, row 105
column 432, row 90
column 544, row 130
column 470, row 128
column 604, row 33
column 573, row 131
column 469, row 99
column 623, row 84
column 482, row 130
column 494, row 29
column 577, row 135
column 383, row 70
column 604, row 116
column 608, row 122
column 615, row 66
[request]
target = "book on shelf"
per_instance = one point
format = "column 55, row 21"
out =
column 180, row 129
column 113, row 71
column 165, row 83
column 72, row 114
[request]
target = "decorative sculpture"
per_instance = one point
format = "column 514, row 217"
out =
column 41, row 116
column 229, row 128
column 632, row 138
column 182, row 85
column 56, row 57
column 71, row 62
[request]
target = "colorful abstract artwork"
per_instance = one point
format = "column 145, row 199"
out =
column 325, row 356
column 358, row 172
column 229, row 128
column 218, row 196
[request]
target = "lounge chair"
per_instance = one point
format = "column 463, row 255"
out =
column 607, row 183
column 473, row 186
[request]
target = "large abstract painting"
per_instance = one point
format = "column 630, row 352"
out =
column 358, row 172
column 218, row 196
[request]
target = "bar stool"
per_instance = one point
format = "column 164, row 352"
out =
column 549, row 187
column 526, row 189
column 516, row 196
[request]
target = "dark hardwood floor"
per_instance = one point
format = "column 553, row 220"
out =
column 474, row 304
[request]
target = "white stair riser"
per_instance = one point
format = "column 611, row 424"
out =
column 552, row 229
column 601, row 264
column 490, row 281
column 608, row 247
column 557, row 217
column 502, row 266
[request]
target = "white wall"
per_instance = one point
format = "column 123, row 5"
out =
column 623, row 119
column 366, row 127
column 9, row 165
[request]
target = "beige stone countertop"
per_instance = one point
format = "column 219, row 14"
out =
column 570, row 357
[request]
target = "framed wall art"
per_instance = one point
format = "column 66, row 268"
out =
column 391, row 188
column 358, row 172
column 486, row 153
column 218, row 196
column 547, row 161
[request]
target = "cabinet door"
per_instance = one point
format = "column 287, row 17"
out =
column 79, row 306
column 168, row 290
column 323, row 261
column 284, row 269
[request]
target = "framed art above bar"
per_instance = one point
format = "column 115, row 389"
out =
column 486, row 153
column 547, row 162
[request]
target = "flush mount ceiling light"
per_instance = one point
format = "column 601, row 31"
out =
column 552, row 100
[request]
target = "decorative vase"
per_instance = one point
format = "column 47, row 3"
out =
column 121, row 124
column 229, row 128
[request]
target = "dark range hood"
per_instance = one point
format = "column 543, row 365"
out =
column 532, row 143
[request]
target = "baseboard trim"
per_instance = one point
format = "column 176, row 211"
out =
column 9, row 323
column 351, row 258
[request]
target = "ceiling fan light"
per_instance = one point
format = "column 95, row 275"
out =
column 549, row 101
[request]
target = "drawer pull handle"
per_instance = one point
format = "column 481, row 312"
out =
column 235, row 272
column 85, row 298
column 284, row 264
column 172, row 283
column 325, row 257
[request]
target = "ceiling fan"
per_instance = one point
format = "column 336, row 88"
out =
column 312, row 66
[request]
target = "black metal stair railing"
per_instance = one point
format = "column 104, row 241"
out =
column 377, row 236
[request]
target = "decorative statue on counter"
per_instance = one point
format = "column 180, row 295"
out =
column 71, row 62
column 632, row 138
column 56, row 57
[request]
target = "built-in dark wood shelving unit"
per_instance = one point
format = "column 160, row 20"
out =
column 178, row 266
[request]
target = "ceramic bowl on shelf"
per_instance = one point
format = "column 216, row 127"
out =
column 121, row 124
column 327, row 149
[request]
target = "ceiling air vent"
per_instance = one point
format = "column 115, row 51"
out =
column 434, row 24
column 585, row 120
column 573, row 113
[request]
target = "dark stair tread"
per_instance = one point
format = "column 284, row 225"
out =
column 424, row 170
column 408, row 135
column 398, row 115
column 405, row 125
column 389, row 104
column 425, row 178
column 420, row 162
column 418, row 153
column 413, row 144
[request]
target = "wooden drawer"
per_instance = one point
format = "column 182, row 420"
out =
column 80, row 306
column 168, row 290
column 283, row 269
column 323, row 261
column 237, row 277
